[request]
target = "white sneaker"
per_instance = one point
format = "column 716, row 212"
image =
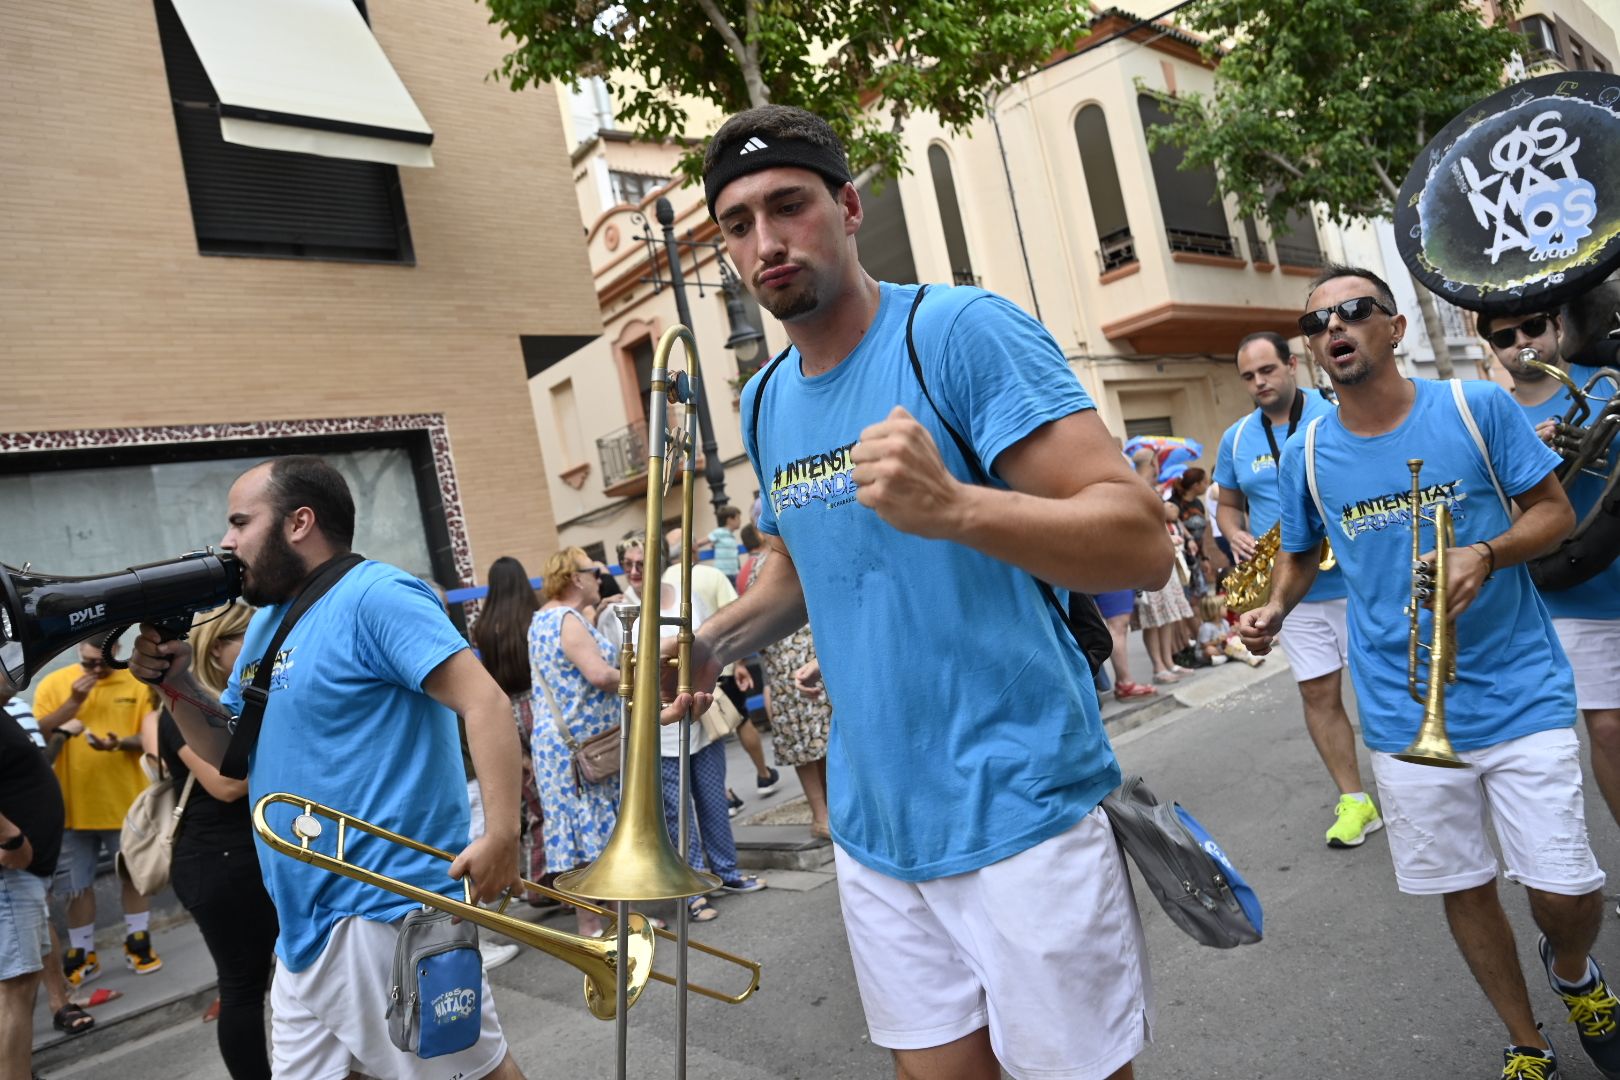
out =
column 495, row 955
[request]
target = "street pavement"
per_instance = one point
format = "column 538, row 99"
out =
column 1353, row 979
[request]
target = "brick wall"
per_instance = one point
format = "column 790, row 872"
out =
column 109, row 317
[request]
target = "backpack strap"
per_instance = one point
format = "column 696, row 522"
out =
column 751, row 436
column 1467, row 414
column 256, row 695
column 1310, row 471
column 1082, row 617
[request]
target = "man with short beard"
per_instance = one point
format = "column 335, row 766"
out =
column 967, row 760
column 1587, row 617
column 1247, row 468
column 361, row 716
column 1509, row 715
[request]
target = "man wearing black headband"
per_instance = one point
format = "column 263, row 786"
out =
column 925, row 465
column 1587, row 617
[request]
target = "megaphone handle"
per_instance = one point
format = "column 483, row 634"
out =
column 171, row 629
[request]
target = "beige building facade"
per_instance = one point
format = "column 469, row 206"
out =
column 1145, row 275
column 173, row 304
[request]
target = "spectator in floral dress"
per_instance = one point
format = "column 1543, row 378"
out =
column 572, row 664
column 799, row 724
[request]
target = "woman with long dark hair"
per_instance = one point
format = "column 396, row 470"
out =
column 501, row 637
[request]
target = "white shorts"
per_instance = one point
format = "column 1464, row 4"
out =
column 1531, row 787
column 1045, row 947
column 1315, row 639
column 330, row 1019
column 1593, row 648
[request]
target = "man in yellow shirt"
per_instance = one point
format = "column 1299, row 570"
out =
column 100, row 775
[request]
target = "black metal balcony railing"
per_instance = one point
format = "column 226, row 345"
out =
column 1117, row 249
column 623, row 453
column 1202, row 243
column 964, row 276
column 1295, row 253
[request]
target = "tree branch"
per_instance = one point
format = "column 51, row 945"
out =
column 1284, row 164
column 1391, row 188
column 746, row 57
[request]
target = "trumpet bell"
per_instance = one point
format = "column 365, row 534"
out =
column 1432, row 749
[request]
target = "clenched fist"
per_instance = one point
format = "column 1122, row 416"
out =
column 899, row 474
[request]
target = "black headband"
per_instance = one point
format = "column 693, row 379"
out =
column 740, row 157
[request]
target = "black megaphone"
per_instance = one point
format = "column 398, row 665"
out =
column 41, row 615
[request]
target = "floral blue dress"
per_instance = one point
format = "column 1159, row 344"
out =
column 577, row 817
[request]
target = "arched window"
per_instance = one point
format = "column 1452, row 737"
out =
column 950, row 217
column 1116, row 248
column 1194, row 219
column 885, row 243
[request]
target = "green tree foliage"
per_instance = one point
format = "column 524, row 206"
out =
column 1326, row 103
column 834, row 57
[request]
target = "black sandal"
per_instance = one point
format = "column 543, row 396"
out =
column 73, row 1020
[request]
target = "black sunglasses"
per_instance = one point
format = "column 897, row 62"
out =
column 1353, row 310
column 1504, row 339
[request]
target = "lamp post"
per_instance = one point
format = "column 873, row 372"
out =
column 744, row 335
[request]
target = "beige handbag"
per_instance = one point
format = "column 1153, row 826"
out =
column 597, row 758
column 721, row 719
column 146, row 843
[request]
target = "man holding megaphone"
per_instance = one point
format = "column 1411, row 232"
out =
column 359, row 711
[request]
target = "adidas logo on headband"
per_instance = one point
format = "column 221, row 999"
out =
column 782, row 152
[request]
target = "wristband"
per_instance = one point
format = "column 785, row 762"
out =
column 1490, row 553
column 14, row 843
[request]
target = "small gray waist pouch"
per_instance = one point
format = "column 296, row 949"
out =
column 436, row 1000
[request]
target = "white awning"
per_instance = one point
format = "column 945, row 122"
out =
column 306, row 76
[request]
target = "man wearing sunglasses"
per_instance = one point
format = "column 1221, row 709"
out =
column 1317, row 641
column 1511, row 712
column 100, row 775
column 1587, row 617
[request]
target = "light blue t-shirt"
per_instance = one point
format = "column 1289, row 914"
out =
column 1599, row 597
column 1244, row 463
column 726, row 550
column 347, row 725
column 965, row 724
column 1512, row 677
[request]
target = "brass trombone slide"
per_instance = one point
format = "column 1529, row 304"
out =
column 597, row 958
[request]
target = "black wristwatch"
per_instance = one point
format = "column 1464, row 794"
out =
column 14, row 843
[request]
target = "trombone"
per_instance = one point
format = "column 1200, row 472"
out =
column 1431, row 746
column 638, row 862
column 597, row 958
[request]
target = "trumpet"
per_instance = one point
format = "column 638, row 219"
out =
column 1431, row 746
column 599, row 959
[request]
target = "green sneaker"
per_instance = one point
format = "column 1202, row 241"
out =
column 1357, row 818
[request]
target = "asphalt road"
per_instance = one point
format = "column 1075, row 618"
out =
column 1353, row 980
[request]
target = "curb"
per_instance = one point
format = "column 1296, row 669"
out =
column 1209, row 689
column 178, row 1008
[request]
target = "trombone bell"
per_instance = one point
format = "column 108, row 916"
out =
column 597, row 958
column 639, row 862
